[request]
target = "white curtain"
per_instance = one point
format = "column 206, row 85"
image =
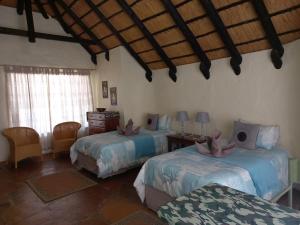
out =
column 43, row 97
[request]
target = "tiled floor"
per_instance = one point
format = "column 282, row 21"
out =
column 103, row 204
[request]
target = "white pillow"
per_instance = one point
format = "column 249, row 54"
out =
column 169, row 123
column 164, row 122
column 268, row 137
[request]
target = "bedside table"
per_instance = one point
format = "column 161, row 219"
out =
column 176, row 141
column 294, row 170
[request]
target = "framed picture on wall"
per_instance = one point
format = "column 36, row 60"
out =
column 113, row 96
column 105, row 89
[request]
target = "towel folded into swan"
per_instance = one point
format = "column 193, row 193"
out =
column 215, row 146
column 128, row 130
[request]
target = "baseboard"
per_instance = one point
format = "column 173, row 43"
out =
column 2, row 163
column 44, row 152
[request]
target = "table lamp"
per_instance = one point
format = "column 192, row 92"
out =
column 182, row 116
column 202, row 118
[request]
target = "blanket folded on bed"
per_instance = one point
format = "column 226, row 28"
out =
column 217, row 204
column 144, row 143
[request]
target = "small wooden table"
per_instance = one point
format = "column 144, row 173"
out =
column 176, row 141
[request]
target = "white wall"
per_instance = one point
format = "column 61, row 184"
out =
column 15, row 50
column 18, row 51
column 108, row 70
column 136, row 96
column 260, row 94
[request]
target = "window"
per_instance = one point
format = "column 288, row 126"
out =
column 43, row 97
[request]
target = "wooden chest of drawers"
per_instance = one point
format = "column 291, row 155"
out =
column 100, row 122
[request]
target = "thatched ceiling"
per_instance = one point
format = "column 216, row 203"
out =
column 238, row 16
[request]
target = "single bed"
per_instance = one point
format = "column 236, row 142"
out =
column 109, row 153
column 258, row 172
column 217, row 204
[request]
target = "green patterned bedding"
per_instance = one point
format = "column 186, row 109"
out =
column 216, row 204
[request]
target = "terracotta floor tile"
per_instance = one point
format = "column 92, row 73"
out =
column 103, row 204
column 41, row 218
column 20, row 211
column 93, row 220
column 117, row 208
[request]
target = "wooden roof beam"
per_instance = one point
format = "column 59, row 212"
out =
column 129, row 27
column 190, row 37
column 84, row 27
column 287, row 10
column 237, row 45
column 236, row 58
column 88, row 12
column 150, row 38
column 121, row 39
column 20, row 6
column 265, row 19
column 54, row 37
column 69, row 30
column 70, row 6
column 41, row 8
column 29, row 19
column 187, row 21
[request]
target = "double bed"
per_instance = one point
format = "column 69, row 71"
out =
column 258, row 172
column 109, row 153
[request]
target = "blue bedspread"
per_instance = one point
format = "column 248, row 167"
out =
column 258, row 172
column 114, row 152
column 263, row 171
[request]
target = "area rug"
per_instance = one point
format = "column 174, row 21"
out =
column 58, row 185
column 140, row 218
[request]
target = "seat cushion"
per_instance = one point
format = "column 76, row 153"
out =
column 25, row 151
column 63, row 144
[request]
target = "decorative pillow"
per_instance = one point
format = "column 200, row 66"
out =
column 162, row 122
column 152, row 121
column 245, row 135
column 268, row 137
column 169, row 123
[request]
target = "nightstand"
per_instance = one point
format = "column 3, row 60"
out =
column 294, row 170
column 176, row 141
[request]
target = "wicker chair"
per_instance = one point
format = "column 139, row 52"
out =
column 24, row 142
column 64, row 136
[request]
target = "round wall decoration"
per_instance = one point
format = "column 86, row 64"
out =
column 242, row 136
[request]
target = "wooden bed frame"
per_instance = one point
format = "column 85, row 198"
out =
column 86, row 162
column 90, row 164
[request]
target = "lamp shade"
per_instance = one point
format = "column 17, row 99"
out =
column 182, row 116
column 202, row 117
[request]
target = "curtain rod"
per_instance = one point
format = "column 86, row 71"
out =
column 50, row 67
